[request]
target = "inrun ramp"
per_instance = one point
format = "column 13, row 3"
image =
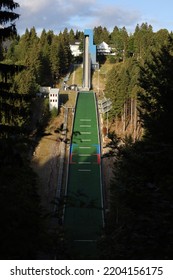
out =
column 84, row 210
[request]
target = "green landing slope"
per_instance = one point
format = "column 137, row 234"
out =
column 84, row 210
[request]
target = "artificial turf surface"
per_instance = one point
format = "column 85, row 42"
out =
column 83, row 212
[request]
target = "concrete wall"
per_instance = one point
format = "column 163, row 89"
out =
column 86, row 69
column 89, row 60
column 92, row 47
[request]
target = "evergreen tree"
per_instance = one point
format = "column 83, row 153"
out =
column 12, row 55
column 44, row 47
column 121, row 84
column 20, row 212
column 55, row 59
column 79, row 35
column 10, row 114
column 71, row 36
column 161, row 38
column 156, row 96
column 139, row 225
column 140, row 222
column 143, row 40
column 119, row 39
column 64, row 54
column 101, row 34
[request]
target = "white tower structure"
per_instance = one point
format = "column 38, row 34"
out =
column 53, row 98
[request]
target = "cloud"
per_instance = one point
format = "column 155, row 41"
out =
column 76, row 14
column 32, row 6
column 115, row 16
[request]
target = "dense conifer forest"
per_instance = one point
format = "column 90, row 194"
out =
column 139, row 224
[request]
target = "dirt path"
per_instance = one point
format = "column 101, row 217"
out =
column 73, row 77
column 45, row 163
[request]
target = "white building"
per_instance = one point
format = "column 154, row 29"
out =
column 74, row 47
column 104, row 49
column 53, row 98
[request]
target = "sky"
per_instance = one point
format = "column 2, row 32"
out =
column 82, row 14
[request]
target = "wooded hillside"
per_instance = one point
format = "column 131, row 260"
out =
column 139, row 223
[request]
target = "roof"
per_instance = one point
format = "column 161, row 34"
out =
column 54, row 90
column 103, row 45
column 76, row 42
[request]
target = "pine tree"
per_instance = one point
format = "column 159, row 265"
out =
column 45, row 47
column 156, row 96
column 119, row 39
column 54, row 59
column 10, row 102
column 64, row 54
column 71, row 36
column 122, row 84
column 20, row 212
column 143, row 40
column 101, row 34
column 140, row 221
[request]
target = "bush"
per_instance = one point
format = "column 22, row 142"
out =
column 112, row 59
column 54, row 112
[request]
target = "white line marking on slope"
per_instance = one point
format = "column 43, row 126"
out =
column 84, row 170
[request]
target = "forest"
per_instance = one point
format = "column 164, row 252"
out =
column 139, row 223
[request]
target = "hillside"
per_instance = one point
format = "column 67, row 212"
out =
column 46, row 156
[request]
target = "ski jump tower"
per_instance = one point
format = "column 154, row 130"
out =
column 89, row 59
